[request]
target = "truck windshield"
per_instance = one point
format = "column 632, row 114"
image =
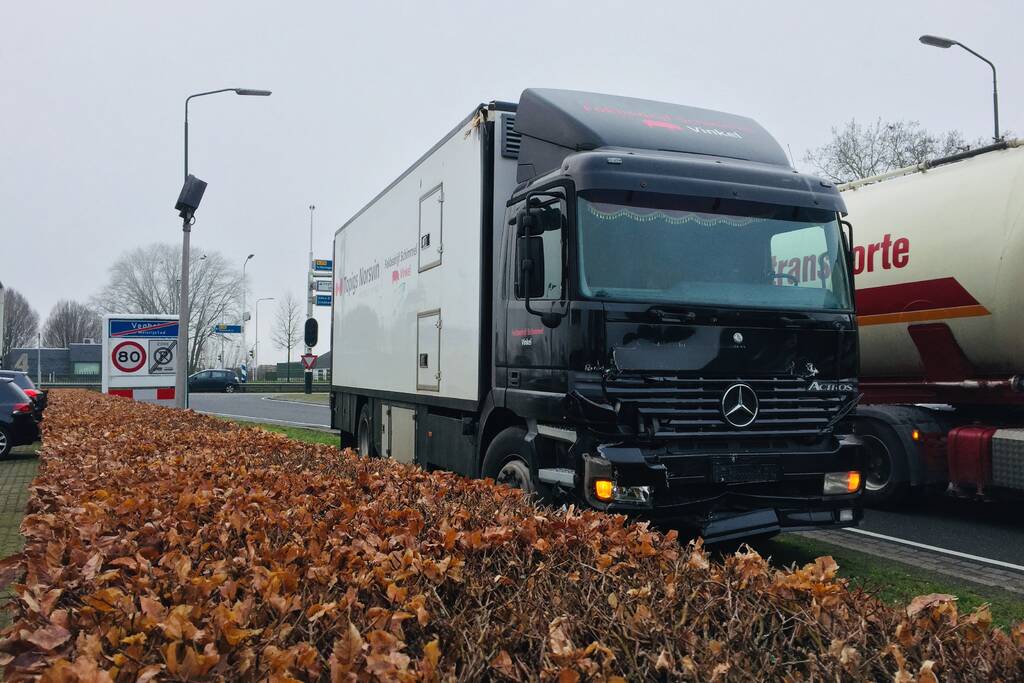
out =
column 694, row 250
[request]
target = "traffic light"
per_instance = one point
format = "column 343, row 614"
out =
column 312, row 329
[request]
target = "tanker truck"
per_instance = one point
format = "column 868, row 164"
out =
column 939, row 266
column 584, row 296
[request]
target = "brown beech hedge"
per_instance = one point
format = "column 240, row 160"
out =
column 165, row 545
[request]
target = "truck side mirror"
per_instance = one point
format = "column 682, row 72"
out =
column 527, row 223
column 530, row 268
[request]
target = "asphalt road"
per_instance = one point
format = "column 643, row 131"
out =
column 261, row 408
column 988, row 530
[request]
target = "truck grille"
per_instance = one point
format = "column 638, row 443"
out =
column 669, row 407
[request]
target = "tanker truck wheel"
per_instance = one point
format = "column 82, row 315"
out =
column 885, row 465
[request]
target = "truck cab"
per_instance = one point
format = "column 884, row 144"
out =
column 677, row 330
column 666, row 317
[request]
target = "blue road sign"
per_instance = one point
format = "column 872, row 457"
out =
column 126, row 327
column 323, row 300
column 225, row 328
column 323, row 265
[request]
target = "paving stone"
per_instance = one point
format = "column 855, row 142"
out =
column 17, row 471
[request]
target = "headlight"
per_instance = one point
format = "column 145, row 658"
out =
column 841, row 482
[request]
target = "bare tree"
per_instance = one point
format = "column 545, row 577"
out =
column 147, row 280
column 858, row 151
column 287, row 328
column 70, row 322
column 21, row 323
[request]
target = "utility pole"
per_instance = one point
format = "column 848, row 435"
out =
column 310, row 293
column 3, row 297
column 256, row 323
column 245, row 316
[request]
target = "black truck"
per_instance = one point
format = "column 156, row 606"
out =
column 632, row 305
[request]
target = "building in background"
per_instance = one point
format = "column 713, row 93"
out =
column 80, row 362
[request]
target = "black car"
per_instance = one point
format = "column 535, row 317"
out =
column 213, row 380
column 26, row 384
column 18, row 425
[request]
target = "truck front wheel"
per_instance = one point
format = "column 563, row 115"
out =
column 509, row 460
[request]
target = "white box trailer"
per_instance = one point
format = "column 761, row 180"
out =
column 408, row 311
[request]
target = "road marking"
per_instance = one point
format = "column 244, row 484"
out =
column 294, row 402
column 936, row 549
column 250, row 418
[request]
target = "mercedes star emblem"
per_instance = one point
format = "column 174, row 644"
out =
column 739, row 405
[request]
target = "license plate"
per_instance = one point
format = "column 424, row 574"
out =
column 737, row 470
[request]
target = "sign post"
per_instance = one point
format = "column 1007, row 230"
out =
column 140, row 357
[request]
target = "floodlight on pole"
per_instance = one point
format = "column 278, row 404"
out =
column 938, row 41
column 181, row 373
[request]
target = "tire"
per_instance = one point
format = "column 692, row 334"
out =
column 5, row 442
column 229, row 389
column 885, row 465
column 510, row 460
column 364, row 433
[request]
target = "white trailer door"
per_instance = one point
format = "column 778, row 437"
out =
column 428, row 350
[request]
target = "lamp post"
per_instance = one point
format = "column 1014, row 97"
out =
column 256, row 323
column 181, row 375
column 936, row 41
column 244, row 264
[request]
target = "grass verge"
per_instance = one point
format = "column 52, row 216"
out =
column 297, row 433
column 894, row 582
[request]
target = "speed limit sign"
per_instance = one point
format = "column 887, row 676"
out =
column 128, row 356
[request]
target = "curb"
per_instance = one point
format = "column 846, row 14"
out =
column 955, row 567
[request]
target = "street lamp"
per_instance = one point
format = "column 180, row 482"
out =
column 244, row 264
column 181, row 375
column 256, row 322
column 936, row 41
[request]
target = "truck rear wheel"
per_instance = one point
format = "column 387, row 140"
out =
column 885, row 464
column 509, row 460
column 364, row 432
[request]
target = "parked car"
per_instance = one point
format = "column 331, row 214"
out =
column 18, row 425
column 213, row 380
column 26, row 384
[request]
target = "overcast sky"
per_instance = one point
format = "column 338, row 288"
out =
column 91, row 95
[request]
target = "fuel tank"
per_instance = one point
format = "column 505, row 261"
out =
column 939, row 268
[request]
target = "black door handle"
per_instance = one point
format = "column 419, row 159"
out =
column 513, row 378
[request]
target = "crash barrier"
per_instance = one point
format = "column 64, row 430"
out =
column 169, row 545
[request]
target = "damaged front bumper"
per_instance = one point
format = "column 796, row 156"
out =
column 725, row 495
